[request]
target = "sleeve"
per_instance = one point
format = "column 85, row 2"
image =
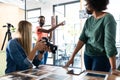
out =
column 83, row 36
column 36, row 61
column 17, row 54
column 110, row 36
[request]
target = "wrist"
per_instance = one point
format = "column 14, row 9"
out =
column 113, row 68
column 58, row 24
column 29, row 60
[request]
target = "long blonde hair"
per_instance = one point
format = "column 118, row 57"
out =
column 25, row 31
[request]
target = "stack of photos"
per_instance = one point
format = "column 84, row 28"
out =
column 15, row 76
column 43, row 72
column 47, row 68
column 37, row 73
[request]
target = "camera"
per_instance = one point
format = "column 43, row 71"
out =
column 53, row 47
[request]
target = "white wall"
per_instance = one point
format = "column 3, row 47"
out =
column 9, row 14
column 47, row 11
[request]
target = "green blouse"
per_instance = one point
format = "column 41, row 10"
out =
column 99, row 36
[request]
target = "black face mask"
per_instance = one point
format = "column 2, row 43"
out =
column 41, row 23
column 88, row 11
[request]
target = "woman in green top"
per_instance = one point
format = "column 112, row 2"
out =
column 98, row 35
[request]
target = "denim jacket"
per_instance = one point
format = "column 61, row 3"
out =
column 16, row 58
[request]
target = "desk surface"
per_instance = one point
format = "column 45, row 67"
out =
column 46, row 72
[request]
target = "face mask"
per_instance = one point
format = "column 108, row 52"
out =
column 88, row 11
column 41, row 23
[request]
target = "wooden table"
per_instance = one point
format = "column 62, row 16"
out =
column 47, row 72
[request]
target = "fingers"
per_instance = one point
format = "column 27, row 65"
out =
column 48, row 49
column 62, row 23
column 40, row 45
column 42, row 41
column 67, row 65
column 115, row 72
column 44, row 46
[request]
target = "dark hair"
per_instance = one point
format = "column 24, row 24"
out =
column 41, row 17
column 98, row 5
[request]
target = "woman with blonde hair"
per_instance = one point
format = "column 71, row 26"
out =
column 18, row 51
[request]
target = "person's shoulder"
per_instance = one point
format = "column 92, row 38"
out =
column 109, row 18
column 38, row 27
column 90, row 19
column 109, row 15
column 12, row 41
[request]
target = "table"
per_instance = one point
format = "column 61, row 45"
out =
column 47, row 72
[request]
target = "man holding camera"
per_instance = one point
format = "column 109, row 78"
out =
column 41, row 32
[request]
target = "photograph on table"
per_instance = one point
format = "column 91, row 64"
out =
column 16, row 76
column 56, row 77
column 30, row 71
column 95, row 76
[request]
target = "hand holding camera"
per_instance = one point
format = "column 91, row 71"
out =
column 50, row 47
column 40, row 45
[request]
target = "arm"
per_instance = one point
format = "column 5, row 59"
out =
column 50, row 37
column 37, row 60
column 16, row 55
column 113, row 66
column 82, row 40
column 112, row 61
column 51, row 29
column 78, row 47
column 109, row 41
column 38, row 46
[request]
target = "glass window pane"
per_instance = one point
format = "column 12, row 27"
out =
column 66, row 37
column 32, row 16
column 33, row 13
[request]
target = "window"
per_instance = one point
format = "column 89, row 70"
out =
column 32, row 16
column 67, row 36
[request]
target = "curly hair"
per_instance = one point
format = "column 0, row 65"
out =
column 98, row 5
column 41, row 17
